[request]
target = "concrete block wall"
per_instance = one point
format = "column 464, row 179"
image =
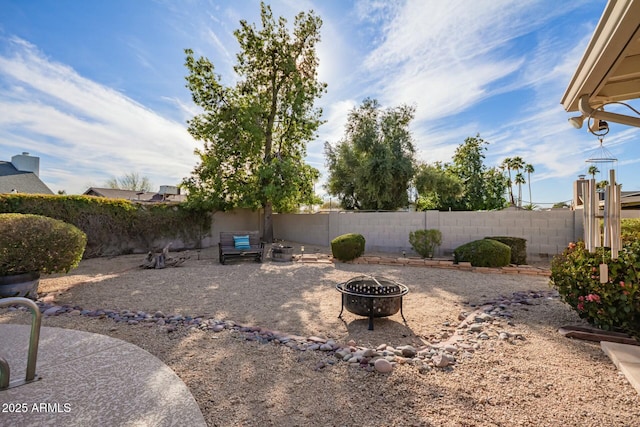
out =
column 237, row 220
column 312, row 229
column 547, row 232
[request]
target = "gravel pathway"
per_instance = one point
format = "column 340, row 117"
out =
column 261, row 344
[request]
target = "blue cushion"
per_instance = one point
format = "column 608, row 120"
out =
column 241, row 242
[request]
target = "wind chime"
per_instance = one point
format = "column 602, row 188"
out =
column 602, row 161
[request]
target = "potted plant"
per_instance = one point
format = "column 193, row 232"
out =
column 31, row 245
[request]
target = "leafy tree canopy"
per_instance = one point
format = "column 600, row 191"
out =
column 436, row 186
column 255, row 132
column 465, row 184
column 371, row 167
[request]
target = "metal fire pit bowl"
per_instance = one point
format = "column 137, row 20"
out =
column 372, row 296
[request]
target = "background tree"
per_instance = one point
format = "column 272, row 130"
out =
column 529, row 169
column 464, row 184
column 483, row 187
column 519, row 179
column 506, row 164
column 371, row 167
column 130, row 181
column 436, row 187
column 255, row 132
column 593, row 170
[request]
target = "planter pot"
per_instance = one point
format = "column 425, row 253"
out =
column 20, row 285
column 281, row 253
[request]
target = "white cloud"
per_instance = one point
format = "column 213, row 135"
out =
column 91, row 131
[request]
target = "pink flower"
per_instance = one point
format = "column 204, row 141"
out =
column 593, row 298
column 580, row 298
column 621, row 284
column 580, row 306
column 572, row 245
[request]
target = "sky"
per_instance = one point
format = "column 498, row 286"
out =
column 96, row 88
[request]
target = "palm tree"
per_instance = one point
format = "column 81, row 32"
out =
column 593, row 170
column 519, row 179
column 529, row 170
column 506, row 164
column 517, row 163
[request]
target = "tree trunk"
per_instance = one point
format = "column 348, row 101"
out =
column 268, row 222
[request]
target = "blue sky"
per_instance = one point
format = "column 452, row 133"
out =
column 96, row 88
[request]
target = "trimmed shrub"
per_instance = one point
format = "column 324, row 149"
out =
column 483, row 253
column 425, row 242
column 614, row 305
column 348, row 246
column 630, row 229
column 34, row 243
column 518, row 247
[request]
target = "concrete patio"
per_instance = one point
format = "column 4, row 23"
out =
column 91, row 379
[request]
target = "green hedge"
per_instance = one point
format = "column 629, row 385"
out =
column 483, row 253
column 518, row 247
column 630, row 229
column 348, row 246
column 114, row 226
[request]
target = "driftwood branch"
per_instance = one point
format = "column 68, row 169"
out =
column 163, row 259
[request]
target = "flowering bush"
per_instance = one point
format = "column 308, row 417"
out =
column 612, row 305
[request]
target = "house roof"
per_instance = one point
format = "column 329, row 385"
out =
column 630, row 199
column 610, row 67
column 13, row 180
column 136, row 196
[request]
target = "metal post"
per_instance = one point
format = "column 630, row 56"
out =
column 4, row 374
column 34, row 338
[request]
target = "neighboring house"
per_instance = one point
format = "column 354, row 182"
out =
column 167, row 193
column 21, row 175
column 629, row 200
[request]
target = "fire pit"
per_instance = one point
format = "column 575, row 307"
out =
column 372, row 296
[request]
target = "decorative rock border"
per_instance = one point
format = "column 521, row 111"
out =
column 444, row 351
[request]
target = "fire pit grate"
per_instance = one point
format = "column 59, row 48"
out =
column 372, row 296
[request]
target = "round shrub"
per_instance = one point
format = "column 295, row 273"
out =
column 483, row 253
column 614, row 305
column 348, row 246
column 518, row 247
column 425, row 242
column 34, row 243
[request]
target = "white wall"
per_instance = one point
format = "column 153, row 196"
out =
column 547, row 232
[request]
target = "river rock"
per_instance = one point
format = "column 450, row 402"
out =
column 440, row 361
column 383, row 366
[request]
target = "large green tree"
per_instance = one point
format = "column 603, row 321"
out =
column 436, row 186
column 371, row 167
column 483, row 188
column 255, row 132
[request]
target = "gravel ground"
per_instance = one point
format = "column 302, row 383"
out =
column 540, row 379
